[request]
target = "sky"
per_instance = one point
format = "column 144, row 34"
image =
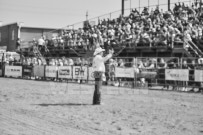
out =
column 61, row 13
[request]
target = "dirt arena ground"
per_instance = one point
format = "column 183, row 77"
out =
column 30, row 107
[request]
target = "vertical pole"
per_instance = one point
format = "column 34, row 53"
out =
column 86, row 15
column 122, row 8
column 130, row 6
column 148, row 4
column 169, row 4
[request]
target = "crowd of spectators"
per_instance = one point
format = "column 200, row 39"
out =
column 146, row 28
column 146, row 69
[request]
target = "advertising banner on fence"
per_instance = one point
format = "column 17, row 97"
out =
column 198, row 75
column 27, row 70
column 177, row 74
column 39, row 71
column 124, row 72
column 65, row 72
column 13, row 71
column 147, row 73
column 79, row 72
column 91, row 74
column 51, row 71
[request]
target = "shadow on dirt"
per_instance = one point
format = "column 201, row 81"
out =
column 62, row 104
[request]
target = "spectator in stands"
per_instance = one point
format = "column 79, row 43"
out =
column 141, row 67
column 41, row 43
column 78, row 62
column 161, row 65
column 185, row 83
column 18, row 42
column 121, row 63
column 70, row 62
column 112, row 68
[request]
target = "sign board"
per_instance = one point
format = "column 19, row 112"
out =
column 124, row 72
column 13, row 71
column 147, row 73
column 65, row 72
column 51, row 71
column 177, row 74
column 27, row 70
column 38, row 71
column 91, row 74
column 198, row 75
column 80, row 72
column 3, row 48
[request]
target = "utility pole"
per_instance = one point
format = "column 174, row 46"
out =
column 130, row 6
column 148, row 4
column 86, row 15
column 169, row 5
column 122, row 7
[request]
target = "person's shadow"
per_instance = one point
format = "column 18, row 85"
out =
column 62, row 104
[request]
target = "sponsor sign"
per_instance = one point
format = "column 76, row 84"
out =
column 27, row 70
column 124, row 72
column 177, row 74
column 147, row 73
column 38, row 71
column 198, row 75
column 51, row 71
column 3, row 48
column 65, row 72
column 13, row 71
column 79, row 72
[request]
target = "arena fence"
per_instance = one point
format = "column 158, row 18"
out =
column 140, row 73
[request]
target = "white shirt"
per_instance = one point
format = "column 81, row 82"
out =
column 98, row 62
column 41, row 41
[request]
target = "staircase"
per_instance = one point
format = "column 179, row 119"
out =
column 38, row 54
column 193, row 50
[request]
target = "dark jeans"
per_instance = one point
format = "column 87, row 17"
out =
column 98, row 86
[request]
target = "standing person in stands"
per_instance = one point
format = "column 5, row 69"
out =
column 185, row 83
column 18, row 42
column 41, row 43
column 162, row 65
column 99, row 67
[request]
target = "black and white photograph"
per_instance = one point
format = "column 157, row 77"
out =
column 101, row 67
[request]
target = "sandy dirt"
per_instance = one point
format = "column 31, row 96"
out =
column 30, row 107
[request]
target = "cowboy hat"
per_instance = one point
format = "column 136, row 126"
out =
column 98, row 50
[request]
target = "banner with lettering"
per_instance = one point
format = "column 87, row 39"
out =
column 177, row 74
column 51, row 71
column 27, row 70
column 80, row 72
column 38, row 71
column 65, row 72
column 198, row 75
column 91, row 74
column 13, row 71
column 147, row 73
column 124, row 72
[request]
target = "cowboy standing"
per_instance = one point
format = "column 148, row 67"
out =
column 99, row 68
